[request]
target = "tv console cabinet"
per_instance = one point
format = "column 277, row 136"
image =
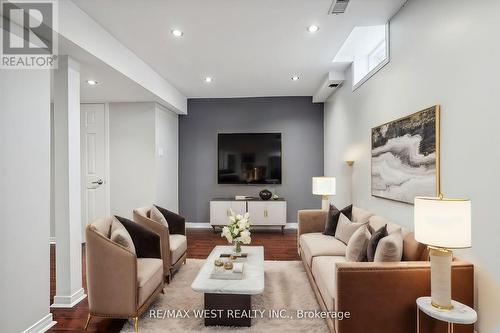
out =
column 262, row 212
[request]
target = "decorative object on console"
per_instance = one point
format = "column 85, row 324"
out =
column 442, row 224
column 324, row 186
column 237, row 231
column 405, row 157
column 265, row 194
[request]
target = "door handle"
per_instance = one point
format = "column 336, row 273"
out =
column 265, row 213
column 98, row 182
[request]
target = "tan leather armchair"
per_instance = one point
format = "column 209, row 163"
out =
column 173, row 245
column 119, row 284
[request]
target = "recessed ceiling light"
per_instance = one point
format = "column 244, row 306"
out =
column 208, row 79
column 92, row 82
column 177, row 33
column 312, row 28
column 295, row 78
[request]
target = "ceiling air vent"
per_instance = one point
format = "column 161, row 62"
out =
column 330, row 83
column 338, row 6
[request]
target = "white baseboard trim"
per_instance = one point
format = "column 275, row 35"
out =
column 198, row 225
column 206, row 225
column 69, row 301
column 52, row 240
column 43, row 325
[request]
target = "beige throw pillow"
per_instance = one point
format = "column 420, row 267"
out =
column 390, row 248
column 120, row 235
column 345, row 229
column 157, row 216
column 356, row 247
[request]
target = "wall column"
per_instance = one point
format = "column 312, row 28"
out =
column 24, row 200
column 67, row 184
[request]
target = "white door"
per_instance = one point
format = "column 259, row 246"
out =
column 94, row 166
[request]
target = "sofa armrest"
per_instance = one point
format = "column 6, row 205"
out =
column 160, row 229
column 385, row 293
column 310, row 220
column 111, row 277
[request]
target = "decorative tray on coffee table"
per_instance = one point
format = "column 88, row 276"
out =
column 226, row 274
column 241, row 257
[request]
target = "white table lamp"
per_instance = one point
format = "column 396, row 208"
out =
column 324, row 186
column 442, row 224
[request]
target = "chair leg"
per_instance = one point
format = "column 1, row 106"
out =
column 168, row 278
column 136, row 324
column 87, row 322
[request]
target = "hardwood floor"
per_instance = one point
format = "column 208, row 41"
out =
column 277, row 246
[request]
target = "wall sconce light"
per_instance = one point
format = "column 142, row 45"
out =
column 350, row 163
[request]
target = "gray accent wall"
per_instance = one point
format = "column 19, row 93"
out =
column 297, row 118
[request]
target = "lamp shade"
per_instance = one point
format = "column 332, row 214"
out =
column 324, row 185
column 443, row 222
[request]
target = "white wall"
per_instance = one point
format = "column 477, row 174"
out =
column 131, row 156
column 442, row 52
column 24, row 199
column 167, row 159
column 138, row 176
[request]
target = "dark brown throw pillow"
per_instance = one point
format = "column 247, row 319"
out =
column 146, row 242
column 347, row 211
column 176, row 223
column 332, row 219
column 372, row 245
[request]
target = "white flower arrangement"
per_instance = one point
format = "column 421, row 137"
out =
column 237, row 231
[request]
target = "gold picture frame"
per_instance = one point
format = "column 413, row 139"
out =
column 405, row 154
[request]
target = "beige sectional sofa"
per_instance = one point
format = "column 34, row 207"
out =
column 379, row 296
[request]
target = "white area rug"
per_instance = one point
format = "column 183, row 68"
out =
column 286, row 288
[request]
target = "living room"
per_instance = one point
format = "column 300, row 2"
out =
column 249, row 166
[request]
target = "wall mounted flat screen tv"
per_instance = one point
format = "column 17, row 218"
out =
column 249, row 158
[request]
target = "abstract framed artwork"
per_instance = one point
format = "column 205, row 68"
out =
column 406, row 157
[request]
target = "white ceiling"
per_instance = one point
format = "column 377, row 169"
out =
column 249, row 47
column 113, row 86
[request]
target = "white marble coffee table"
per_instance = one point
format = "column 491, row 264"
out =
column 227, row 296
